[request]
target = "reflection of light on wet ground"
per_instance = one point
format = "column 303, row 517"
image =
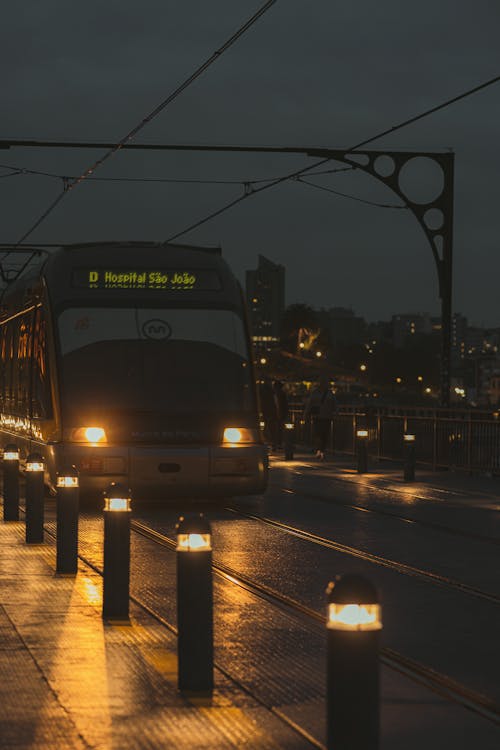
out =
column 78, row 669
column 89, row 590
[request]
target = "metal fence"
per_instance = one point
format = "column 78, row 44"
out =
column 443, row 439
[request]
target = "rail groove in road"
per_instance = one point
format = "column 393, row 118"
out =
column 352, row 477
column 399, row 567
column 420, row 673
column 387, row 513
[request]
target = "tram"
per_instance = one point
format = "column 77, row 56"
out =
column 132, row 362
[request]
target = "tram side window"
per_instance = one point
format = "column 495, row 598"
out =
column 41, row 397
column 7, row 366
column 22, row 380
column 4, row 366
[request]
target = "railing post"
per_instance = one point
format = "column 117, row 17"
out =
column 434, row 442
column 469, row 443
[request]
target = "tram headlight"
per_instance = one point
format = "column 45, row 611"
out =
column 239, row 435
column 89, row 435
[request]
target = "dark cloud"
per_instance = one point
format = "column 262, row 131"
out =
column 318, row 73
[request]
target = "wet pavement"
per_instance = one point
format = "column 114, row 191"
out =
column 96, row 685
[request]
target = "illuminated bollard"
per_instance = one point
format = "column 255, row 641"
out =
column 67, row 506
column 35, row 472
column 409, row 465
column 194, row 606
column 288, row 441
column 116, row 574
column 353, row 627
column 11, row 483
column 362, row 450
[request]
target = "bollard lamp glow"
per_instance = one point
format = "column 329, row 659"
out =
column 11, row 453
column 117, row 498
column 289, row 425
column 353, row 605
column 193, row 534
column 35, row 462
column 362, row 433
column 409, row 438
column 68, row 477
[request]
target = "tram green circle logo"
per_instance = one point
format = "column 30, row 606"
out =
column 156, row 329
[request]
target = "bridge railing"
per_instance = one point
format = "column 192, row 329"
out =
column 444, row 439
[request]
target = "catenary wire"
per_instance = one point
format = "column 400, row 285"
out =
column 22, row 171
column 154, row 113
column 352, row 197
column 298, row 173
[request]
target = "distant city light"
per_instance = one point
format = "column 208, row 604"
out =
column 319, row 354
column 399, row 380
column 420, row 378
column 362, row 368
column 263, row 361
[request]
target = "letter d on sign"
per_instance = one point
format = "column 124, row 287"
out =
column 93, row 276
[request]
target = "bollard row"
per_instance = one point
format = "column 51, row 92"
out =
column 353, row 619
column 409, row 460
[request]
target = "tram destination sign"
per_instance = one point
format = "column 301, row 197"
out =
column 171, row 279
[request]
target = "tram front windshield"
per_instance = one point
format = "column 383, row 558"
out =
column 154, row 360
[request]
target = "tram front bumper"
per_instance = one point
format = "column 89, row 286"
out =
column 161, row 472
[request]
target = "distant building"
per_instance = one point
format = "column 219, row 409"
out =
column 378, row 332
column 343, row 326
column 474, row 341
column 409, row 324
column 458, row 337
column 265, row 293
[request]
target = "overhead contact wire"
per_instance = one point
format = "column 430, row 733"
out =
column 154, row 113
column 352, row 197
column 297, row 173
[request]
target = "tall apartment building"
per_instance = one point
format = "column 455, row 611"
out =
column 265, row 293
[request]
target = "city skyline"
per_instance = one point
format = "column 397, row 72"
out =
column 329, row 77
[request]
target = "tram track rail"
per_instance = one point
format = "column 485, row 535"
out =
column 343, row 475
column 384, row 562
column 388, row 514
column 440, row 684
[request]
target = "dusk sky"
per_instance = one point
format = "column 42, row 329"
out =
column 317, row 73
